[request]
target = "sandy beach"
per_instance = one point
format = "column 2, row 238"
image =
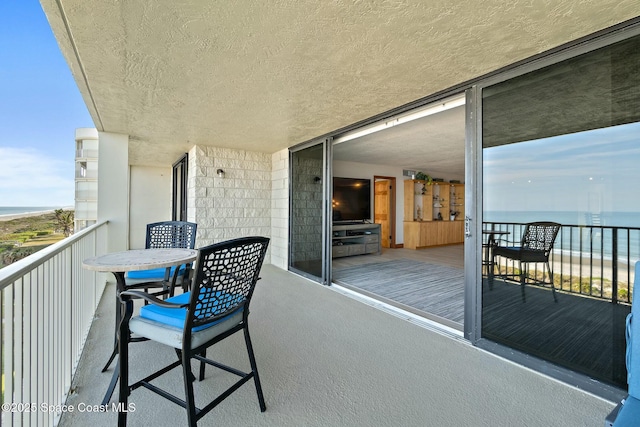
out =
column 9, row 217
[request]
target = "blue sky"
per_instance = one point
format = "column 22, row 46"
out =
column 592, row 171
column 40, row 108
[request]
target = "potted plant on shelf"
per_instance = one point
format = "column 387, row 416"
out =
column 420, row 176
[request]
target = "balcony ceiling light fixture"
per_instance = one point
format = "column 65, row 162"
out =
column 220, row 173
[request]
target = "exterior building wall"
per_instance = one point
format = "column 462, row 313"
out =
column 280, row 209
column 86, row 178
column 150, row 200
column 113, row 188
column 236, row 205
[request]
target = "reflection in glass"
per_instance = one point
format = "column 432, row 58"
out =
column 562, row 144
column 306, row 210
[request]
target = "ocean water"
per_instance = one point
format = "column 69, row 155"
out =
column 589, row 233
column 17, row 210
column 607, row 219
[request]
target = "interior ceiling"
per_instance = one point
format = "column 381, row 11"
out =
column 433, row 145
column 266, row 75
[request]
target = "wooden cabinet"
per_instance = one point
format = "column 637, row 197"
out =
column 456, row 202
column 355, row 239
column 422, row 234
column 428, row 219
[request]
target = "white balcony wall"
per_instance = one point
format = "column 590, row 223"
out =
column 86, row 210
column 86, row 174
column 113, row 188
column 87, row 134
column 87, row 153
column 87, row 148
column 86, row 191
column 150, row 200
column 237, row 205
column 280, row 208
column 87, row 195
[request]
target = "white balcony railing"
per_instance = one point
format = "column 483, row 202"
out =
column 86, row 174
column 87, row 153
column 47, row 304
column 91, row 195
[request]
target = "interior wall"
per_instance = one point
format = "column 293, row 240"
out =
column 150, row 200
column 367, row 171
column 345, row 169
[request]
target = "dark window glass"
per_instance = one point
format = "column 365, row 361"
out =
column 179, row 198
column 306, row 210
column 562, row 144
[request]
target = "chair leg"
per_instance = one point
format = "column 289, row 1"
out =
column 553, row 288
column 523, row 279
column 490, row 267
column 188, row 391
column 254, row 369
column 202, row 365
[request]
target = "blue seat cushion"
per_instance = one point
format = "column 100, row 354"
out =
column 629, row 414
column 156, row 273
column 175, row 317
column 166, row 325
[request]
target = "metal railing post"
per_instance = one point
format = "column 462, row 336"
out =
column 614, row 265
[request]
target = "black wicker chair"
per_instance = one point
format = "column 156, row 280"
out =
column 535, row 247
column 161, row 235
column 216, row 307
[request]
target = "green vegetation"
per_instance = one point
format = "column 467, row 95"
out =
column 24, row 236
column 64, row 221
column 601, row 288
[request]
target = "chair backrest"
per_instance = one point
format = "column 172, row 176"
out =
column 171, row 234
column 633, row 338
column 539, row 236
column 225, row 277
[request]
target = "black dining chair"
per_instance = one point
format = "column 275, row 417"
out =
column 535, row 247
column 215, row 307
column 161, row 235
column 165, row 235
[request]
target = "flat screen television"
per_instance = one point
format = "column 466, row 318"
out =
column 351, row 199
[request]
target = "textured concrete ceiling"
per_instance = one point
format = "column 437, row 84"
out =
column 266, row 75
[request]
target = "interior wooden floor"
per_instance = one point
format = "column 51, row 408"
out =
column 451, row 255
column 445, row 307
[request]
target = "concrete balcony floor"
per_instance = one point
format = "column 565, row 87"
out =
column 329, row 360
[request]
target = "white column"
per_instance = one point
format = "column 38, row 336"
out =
column 113, row 188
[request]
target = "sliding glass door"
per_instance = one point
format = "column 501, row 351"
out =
column 562, row 144
column 307, row 219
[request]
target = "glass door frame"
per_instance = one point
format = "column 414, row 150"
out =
column 179, row 178
column 474, row 171
column 473, row 323
column 326, row 144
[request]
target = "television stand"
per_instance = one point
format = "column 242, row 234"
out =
column 355, row 239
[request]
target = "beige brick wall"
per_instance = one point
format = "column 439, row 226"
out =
column 237, row 205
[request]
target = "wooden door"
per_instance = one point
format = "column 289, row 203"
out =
column 382, row 210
